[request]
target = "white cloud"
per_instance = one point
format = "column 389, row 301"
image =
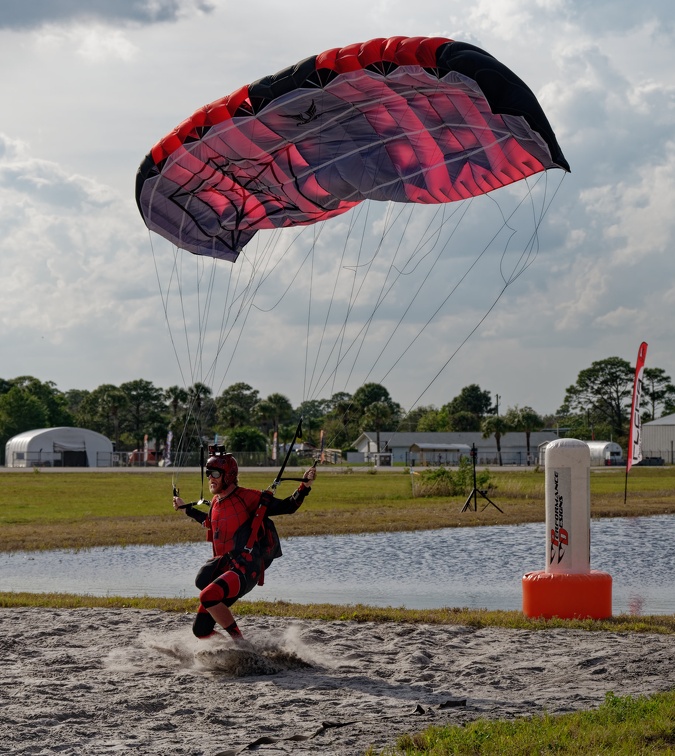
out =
column 18, row 14
column 95, row 44
column 64, row 249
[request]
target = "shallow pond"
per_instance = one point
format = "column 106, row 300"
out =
column 458, row 567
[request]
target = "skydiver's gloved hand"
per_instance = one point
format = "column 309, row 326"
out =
column 178, row 503
column 189, row 508
column 304, row 488
column 308, row 477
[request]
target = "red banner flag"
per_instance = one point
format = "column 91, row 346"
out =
column 634, row 451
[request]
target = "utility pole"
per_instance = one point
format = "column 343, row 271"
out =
column 497, row 398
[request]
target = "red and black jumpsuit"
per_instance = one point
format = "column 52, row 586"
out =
column 232, row 572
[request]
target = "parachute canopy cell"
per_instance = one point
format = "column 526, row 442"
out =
column 404, row 119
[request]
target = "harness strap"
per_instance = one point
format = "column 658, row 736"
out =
column 255, row 525
column 255, row 529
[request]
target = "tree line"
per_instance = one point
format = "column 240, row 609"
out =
column 596, row 406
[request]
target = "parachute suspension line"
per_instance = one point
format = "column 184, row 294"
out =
column 164, row 299
column 442, row 304
column 351, row 301
column 205, row 286
column 290, row 285
column 508, row 280
column 236, row 317
column 164, row 296
column 466, row 338
column 383, row 294
column 430, row 235
column 353, row 217
column 203, row 312
column 388, row 224
column 527, row 256
column 262, row 266
column 338, row 343
column 362, row 333
column 545, row 206
column 531, row 248
column 417, row 293
column 232, row 317
column 309, row 317
column 427, row 236
column 193, row 417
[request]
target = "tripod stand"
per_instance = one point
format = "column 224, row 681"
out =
column 475, row 493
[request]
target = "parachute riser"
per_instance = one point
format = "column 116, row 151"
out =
column 298, row 434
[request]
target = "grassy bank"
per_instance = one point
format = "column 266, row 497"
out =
column 621, row 726
column 81, row 510
column 476, row 618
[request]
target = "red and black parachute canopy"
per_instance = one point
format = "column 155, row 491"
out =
column 404, row 119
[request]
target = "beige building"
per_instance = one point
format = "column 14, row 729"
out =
column 658, row 439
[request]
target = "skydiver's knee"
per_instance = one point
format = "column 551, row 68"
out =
column 225, row 586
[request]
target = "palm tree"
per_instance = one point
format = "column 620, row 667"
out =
column 274, row 411
column 377, row 415
column 525, row 420
column 176, row 397
column 103, row 407
column 198, row 396
column 497, row 426
column 342, row 408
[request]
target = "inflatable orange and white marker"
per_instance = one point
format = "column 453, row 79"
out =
column 567, row 587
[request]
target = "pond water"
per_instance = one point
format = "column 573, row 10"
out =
column 457, row 567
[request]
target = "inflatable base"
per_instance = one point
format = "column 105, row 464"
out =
column 568, row 596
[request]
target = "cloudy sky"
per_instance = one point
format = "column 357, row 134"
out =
column 89, row 297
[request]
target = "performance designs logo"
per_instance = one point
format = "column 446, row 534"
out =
column 305, row 117
column 559, row 536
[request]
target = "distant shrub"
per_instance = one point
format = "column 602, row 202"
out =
column 441, row 481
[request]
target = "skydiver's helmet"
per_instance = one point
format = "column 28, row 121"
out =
column 220, row 460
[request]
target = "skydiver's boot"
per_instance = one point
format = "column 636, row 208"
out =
column 234, row 631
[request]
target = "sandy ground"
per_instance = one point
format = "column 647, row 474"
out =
column 98, row 681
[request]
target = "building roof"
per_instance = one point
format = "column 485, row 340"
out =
column 406, row 440
column 65, row 437
column 441, row 447
column 665, row 420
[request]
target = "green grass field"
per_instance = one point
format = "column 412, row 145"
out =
column 42, row 510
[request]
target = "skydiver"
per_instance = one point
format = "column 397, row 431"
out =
column 237, row 566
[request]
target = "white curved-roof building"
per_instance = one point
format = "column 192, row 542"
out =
column 602, row 453
column 59, row 447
